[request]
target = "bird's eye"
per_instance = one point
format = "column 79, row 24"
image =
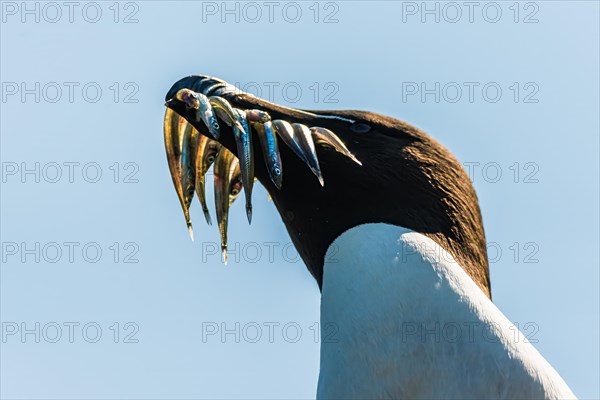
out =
column 210, row 158
column 277, row 171
column 235, row 192
column 360, row 128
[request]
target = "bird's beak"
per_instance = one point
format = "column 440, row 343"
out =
column 295, row 138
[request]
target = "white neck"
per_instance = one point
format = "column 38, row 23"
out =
column 401, row 319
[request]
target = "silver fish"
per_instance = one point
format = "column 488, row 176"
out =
column 286, row 132
column 237, row 120
column 324, row 135
column 243, row 140
column 291, row 138
column 224, row 110
column 257, row 116
column 261, row 121
column 204, row 111
column 189, row 151
column 189, row 97
column 174, row 126
column 207, row 115
column 270, row 150
column 306, row 143
column 207, row 153
column 227, row 188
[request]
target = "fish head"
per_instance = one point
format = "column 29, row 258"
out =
column 210, row 154
column 235, row 187
column 257, row 116
column 180, row 107
column 276, row 172
column 189, row 98
column 213, row 126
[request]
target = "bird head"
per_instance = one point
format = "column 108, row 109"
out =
column 391, row 172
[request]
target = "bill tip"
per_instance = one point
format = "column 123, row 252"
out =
column 191, row 232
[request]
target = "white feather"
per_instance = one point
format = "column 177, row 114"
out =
column 401, row 319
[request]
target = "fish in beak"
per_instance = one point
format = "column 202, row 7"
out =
column 174, row 128
column 198, row 112
column 227, row 188
column 207, row 154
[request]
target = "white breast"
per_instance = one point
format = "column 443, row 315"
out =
column 401, row 319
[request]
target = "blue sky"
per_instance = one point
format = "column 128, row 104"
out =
column 144, row 313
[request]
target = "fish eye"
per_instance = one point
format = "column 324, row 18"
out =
column 215, row 125
column 277, row 171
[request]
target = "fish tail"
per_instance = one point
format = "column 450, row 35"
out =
column 190, row 230
column 207, row 216
column 249, row 212
column 224, row 253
